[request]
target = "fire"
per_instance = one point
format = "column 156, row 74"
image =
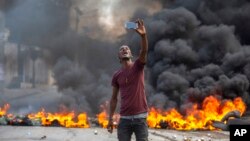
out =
column 196, row 118
column 64, row 119
column 103, row 119
column 3, row 111
column 103, row 116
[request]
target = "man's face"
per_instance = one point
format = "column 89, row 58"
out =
column 125, row 52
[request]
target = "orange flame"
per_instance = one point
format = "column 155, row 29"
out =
column 3, row 111
column 47, row 119
column 103, row 116
column 212, row 109
column 196, row 118
column 64, row 119
column 103, row 119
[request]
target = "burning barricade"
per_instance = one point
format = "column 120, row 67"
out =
column 196, row 118
column 199, row 117
column 212, row 114
column 43, row 118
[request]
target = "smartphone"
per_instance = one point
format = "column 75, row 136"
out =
column 131, row 25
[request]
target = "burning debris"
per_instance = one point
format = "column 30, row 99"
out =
column 212, row 110
column 43, row 118
column 231, row 118
column 19, row 121
column 198, row 117
column 103, row 119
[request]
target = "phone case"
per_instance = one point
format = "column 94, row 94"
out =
column 131, row 25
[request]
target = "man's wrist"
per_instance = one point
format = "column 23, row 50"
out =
column 143, row 35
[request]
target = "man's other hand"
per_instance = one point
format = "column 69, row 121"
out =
column 110, row 126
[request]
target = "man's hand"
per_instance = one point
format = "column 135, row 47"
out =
column 141, row 28
column 110, row 126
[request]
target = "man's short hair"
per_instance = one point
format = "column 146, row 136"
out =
column 124, row 46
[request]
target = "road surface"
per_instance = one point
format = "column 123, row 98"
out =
column 34, row 133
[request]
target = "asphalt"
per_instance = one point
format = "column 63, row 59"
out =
column 31, row 133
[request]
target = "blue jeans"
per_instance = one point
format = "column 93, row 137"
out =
column 127, row 127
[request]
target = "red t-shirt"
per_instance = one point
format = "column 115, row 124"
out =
column 130, row 83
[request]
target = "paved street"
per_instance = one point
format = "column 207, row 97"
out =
column 28, row 133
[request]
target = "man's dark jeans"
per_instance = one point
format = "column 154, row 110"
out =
column 127, row 127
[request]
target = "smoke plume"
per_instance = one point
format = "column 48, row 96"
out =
column 79, row 42
column 197, row 48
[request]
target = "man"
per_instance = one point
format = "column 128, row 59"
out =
column 129, row 81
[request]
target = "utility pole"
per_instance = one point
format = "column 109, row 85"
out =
column 34, row 55
column 78, row 15
column 4, row 34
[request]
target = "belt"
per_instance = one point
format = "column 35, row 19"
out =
column 142, row 115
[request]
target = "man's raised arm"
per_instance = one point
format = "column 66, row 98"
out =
column 141, row 30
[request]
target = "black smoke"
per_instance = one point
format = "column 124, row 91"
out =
column 82, row 65
column 197, row 49
column 80, row 49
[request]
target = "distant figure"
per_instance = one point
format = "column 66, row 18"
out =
column 129, row 81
